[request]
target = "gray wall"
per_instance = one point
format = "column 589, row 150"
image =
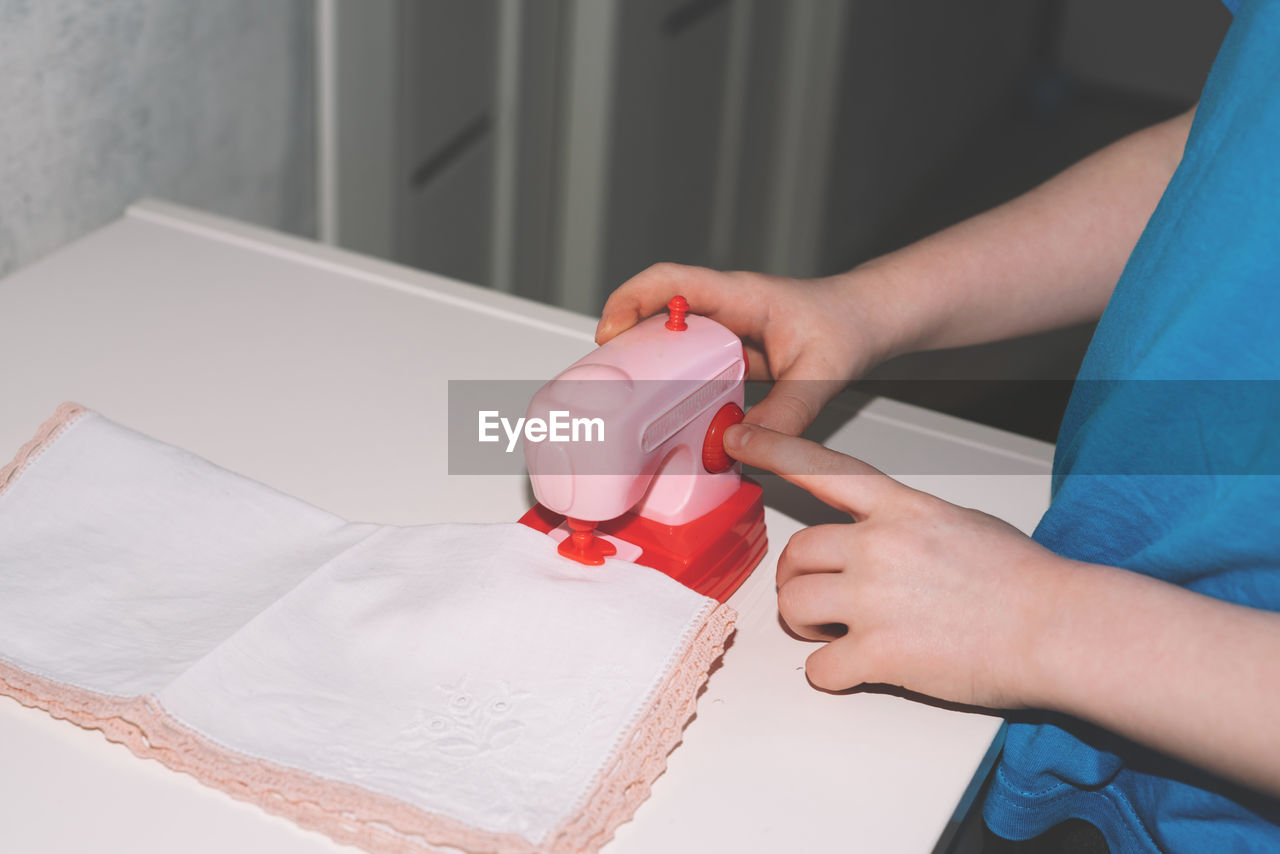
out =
column 919, row 80
column 1160, row 48
column 204, row 103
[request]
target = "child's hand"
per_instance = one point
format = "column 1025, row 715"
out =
column 936, row 598
column 807, row 335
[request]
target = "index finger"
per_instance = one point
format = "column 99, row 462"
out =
column 845, row 483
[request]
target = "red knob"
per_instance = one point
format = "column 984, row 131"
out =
column 676, row 310
column 715, row 458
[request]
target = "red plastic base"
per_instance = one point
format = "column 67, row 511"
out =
column 712, row 555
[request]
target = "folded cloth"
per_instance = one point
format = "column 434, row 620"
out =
column 396, row 688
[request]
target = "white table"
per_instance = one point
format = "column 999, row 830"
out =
column 324, row 374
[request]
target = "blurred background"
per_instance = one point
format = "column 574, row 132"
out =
column 553, row 148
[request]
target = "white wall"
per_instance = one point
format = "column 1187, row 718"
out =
column 205, row 103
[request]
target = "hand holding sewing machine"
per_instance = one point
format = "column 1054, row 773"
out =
column 936, row 598
column 796, row 332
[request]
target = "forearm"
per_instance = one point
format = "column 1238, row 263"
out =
column 1047, row 259
column 1192, row 676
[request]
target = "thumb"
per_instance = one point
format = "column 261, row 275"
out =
column 837, row 665
column 792, row 405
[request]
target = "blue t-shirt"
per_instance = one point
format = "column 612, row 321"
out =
column 1168, row 459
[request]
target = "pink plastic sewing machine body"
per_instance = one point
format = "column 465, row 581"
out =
column 657, row 487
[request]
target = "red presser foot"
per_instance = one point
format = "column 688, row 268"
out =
column 584, row 546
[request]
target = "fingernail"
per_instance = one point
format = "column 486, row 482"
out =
column 736, row 435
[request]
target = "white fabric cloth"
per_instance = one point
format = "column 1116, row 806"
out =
column 467, row 670
column 124, row 560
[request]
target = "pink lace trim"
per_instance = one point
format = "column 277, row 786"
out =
column 63, row 417
column 349, row 813
column 370, row 820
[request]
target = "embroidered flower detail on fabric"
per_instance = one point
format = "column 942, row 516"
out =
column 475, row 719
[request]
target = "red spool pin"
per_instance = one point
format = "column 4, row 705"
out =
column 676, row 311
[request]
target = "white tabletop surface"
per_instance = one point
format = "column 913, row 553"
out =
column 324, row 373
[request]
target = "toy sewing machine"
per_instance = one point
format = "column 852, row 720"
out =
column 653, row 483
